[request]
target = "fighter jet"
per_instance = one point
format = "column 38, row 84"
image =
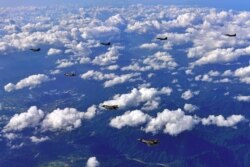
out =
column 72, row 74
column 162, row 38
column 110, row 107
column 35, row 49
column 105, row 43
column 230, row 35
column 149, row 142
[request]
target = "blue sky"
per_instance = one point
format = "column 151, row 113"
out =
column 223, row 4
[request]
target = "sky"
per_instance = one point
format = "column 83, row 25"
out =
column 222, row 4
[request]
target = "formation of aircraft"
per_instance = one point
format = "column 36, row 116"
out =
column 230, row 35
column 149, row 142
column 35, row 49
column 110, row 107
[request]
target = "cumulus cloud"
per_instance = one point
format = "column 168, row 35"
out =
column 111, row 78
column 66, row 119
column 221, row 121
column 187, row 95
column 64, row 63
column 31, row 118
column 120, row 79
column 143, row 27
column 149, row 46
column 112, row 67
column 151, row 105
column 99, row 31
column 136, row 96
column 53, row 51
column 92, row 162
column 157, row 61
column 160, row 60
column 115, row 20
column 190, row 107
column 96, row 75
column 35, row 139
column 171, row 122
column 244, row 74
column 242, row 98
column 222, row 55
column 109, row 57
column 31, row 82
column 129, row 118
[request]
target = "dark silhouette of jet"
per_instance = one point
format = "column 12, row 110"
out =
column 72, row 74
column 35, row 49
column 149, row 142
column 162, row 38
column 230, row 35
column 110, row 107
column 105, row 43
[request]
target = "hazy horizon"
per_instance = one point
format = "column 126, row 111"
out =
column 223, row 4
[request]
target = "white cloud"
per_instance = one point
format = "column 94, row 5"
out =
column 35, row 139
column 84, row 60
column 66, row 119
column 222, row 55
column 171, row 122
column 151, row 105
column 134, row 98
column 242, row 98
column 137, row 96
column 244, row 74
column 31, row 82
column 221, row 121
column 28, row 119
column 11, row 136
column 120, row 79
column 190, row 107
column 187, row 95
column 143, row 27
column 92, row 162
column 64, row 63
column 111, row 78
column 99, row 31
column 166, row 90
column 160, row 60
column 53, row 51
column 112, row 67
column 149, row 46
column 129, row 118
column 54, row 72
column 136, row 67
column 109, row 57
column 115, row 20
column 96, row 75
column 157, row 61
column 90, row 113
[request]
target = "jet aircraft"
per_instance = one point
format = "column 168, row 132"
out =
column 35, row 49
column 230, row 35
column 149, row 142
column 72, row 74
column 110, row 107
column 162, row 38
column 106, row 43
